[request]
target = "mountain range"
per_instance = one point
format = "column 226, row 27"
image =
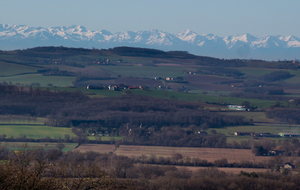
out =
column 245, row 46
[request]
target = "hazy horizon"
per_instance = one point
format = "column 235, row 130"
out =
column 222, row 18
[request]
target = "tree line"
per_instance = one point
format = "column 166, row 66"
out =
column 52, row 169
column 63, row 107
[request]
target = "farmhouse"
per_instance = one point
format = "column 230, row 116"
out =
column 110, row 87
column 202, row 132
column 169, row 78
column 236, row 107
column 94, row 87
column 243, row 133
column 143, row 87
column 288, row 166
column 277, row 151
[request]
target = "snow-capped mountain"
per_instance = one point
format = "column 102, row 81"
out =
column 235, row 46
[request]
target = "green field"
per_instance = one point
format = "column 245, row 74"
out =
column 255, row 72
column 105, row 138
column 295, row 79
column 202, row 98
column 259, row 72
column 27, row 79
column 7, row 69
column 16, row 119
column 34, row 131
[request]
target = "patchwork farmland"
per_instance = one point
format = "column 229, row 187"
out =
column 209, row 154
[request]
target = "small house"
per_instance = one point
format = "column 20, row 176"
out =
column 288, row 166
column 236, row 107
column 277, row 151
column 202, row 132
column 132, row 87
column 243, row 133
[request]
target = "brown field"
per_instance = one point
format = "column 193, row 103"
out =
column 209, row 154
column 227, row 170
column 102, row 148
column 233, row 170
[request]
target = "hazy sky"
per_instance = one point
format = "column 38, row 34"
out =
column 220, row 17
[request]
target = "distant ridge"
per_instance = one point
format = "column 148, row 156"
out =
column 243, row 46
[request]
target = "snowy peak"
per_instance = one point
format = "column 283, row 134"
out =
column 234, row 40
column 22, row 36
column 187, row 36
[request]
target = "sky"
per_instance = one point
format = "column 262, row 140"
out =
column 219, row 17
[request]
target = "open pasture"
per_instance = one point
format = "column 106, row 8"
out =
column 209, row 154
column 7, row 69
column 256, row 72
column 295, row 79
column 27, row 79
column 19, row 119
column 202, row 98
column 34, row 131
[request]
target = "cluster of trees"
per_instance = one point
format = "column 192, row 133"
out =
column 52, row 169
column 221, row 71
column 290, row 115
column 150, row 119
column 146, row 111
column 63, row 107
column 181, row 160
column 276, row 76
column 258, row 96
column 171, row 136
column 55, row 72
column 264, row 90
column 295, row 102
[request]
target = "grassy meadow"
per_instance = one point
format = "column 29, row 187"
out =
column 7, row 69
column 34, row 131
column 27, row 79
